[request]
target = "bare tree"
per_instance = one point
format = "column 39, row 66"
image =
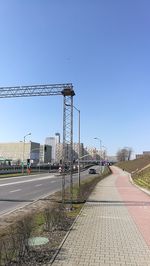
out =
column 129, row 153
column 124, row 154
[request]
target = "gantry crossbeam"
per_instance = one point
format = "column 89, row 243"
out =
column 35, row 90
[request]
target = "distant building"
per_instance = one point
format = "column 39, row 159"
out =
column 146, row 152
column 76, row 150
column 112, row 159
column 53, row 141
column 59, row 153
column 91, row 154
column 57, row 137
column 45, row 154
column 137, row 156
column 19, row 152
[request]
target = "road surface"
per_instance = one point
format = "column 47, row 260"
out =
column 17, row 192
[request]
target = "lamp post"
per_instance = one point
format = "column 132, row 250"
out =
column 78, row 143
column 104, row 152
column 24, row 139
column 99, row 152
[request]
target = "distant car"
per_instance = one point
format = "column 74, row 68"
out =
column 60, row 169
column 92, row 171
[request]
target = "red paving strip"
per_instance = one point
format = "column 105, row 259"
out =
column 137, row 202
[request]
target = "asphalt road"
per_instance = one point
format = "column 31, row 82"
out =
column 16, row 192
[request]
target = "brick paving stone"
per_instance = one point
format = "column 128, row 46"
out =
column 106, row 232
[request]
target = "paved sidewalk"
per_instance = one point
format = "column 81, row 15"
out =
column 112, row 229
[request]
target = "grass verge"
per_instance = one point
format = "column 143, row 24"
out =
column 46, row 218
column 139, row 169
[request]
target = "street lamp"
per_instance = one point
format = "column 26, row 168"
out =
column 24, row 139
column 104, row 152
column 78, row 142
column 99, row 151
column 78, row 145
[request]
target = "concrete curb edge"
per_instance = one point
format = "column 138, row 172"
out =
column 143, row 189
column 64, row 239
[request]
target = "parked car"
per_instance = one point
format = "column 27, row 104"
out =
column 92, row 171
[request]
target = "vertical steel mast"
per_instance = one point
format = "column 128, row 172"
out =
column 68, row 137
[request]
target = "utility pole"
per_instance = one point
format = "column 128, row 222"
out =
column 100, row 150
column 24, row 140
column 78, row 145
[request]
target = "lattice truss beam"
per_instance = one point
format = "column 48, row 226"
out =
column 36, row 90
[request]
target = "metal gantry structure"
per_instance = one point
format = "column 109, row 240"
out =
column 65, row 90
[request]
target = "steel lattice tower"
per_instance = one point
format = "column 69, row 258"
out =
column 65, row 90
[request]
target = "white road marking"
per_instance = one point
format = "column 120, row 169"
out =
column 16, row 190
column 25, row 181
column 38, row 185
column 20, row 177
column 6, row 212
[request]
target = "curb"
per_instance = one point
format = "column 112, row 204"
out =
column 63, row 241
column 133, row 183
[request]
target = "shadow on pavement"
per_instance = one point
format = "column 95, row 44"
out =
column 118, row 203
column 16, row 200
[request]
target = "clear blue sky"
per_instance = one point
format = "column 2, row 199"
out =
column 101, row 46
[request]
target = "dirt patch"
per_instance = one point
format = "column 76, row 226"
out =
column 37, row 255
column 8, row 219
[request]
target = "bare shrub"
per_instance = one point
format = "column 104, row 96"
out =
column 14, row 246
column 0, row 251
column 23, row 233
column 48, row 219
column 8, row 248
column 55, row 217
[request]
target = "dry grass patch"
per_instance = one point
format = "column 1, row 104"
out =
column 45, row 218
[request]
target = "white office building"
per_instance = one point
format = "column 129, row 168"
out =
column 53, row 141
column 45, row 154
